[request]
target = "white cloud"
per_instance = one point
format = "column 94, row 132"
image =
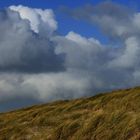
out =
column 82, row 40
column 37, row 64
column 129, row 56
column 37, row 18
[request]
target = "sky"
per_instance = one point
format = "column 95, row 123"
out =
column 67, row 23
column 55, row 50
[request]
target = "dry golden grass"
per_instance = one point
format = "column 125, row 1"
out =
column 112, row 116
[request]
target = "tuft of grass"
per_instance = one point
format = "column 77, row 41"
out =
column 111, row 116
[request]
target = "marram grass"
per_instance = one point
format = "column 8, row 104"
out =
column 112, row 116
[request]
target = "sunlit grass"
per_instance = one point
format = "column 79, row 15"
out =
column 112, row 116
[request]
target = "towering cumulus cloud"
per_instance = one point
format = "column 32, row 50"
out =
column 27, row 47
column 37, row 64
column 38, row 18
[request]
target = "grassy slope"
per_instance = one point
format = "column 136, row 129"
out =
column 112, row 116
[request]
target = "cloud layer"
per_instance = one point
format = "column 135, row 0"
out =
column 24, row 50
column 39, row 65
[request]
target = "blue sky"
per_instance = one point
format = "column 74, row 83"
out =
column 56, row 3
column 66, row 23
